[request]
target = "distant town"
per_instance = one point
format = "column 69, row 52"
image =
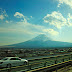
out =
column 25, row 53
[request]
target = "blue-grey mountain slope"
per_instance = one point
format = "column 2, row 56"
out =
column 41, row 41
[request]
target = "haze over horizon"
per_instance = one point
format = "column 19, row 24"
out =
column 22, row 20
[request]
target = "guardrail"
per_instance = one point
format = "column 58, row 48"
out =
column 42, row 63
column 51, row 68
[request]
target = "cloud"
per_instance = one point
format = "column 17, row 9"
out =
column 56, row 19
column 20, row 15
column 28, row 29
column 51, row 32
column 14, row 30
column 69, row 19
column 3, row 14
column 26, row 26
column 2, row 17
column 31, row 28
column 31, row 16
column 67, row 2
column 59, row 5
column 5, row 30
column 22, row 28
column 7, row 21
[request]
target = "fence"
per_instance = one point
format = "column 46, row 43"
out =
column 48, row 63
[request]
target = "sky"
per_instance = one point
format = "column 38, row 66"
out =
column 22, row 20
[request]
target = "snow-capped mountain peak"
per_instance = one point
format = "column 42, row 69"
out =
column 41, row 37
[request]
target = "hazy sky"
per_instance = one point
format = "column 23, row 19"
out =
column 21, row 20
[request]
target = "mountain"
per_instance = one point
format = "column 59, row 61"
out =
column 41, row 41
column 41, row 37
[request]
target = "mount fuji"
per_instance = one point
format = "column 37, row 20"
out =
column 41, row 41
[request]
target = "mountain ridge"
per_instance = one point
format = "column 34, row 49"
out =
column 41, row 41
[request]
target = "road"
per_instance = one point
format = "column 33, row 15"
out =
column 38, row 62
